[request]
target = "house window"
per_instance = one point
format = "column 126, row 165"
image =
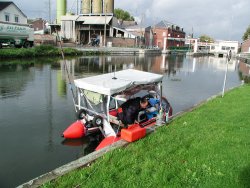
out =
column 16, row 19
column 7, row 17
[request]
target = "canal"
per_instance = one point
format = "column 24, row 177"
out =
column 36, row 103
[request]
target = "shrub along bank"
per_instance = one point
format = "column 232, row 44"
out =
column 208, row 147
column 40, row 51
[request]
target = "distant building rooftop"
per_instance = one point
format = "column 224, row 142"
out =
column 125, row 24
column 165, row 24
column 5, row 4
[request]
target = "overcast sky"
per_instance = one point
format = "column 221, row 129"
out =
column 220, row 19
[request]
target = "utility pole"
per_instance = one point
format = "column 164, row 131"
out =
column 105, row 25
column 49, row 11
column 77, row 4
column 229, row 56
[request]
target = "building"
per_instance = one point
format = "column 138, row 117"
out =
column 165, row 35
column 94, row 21
column 9, row 12
column 81, row 28
column 139, row 32
column 245, row 47
column 38, row 24
column 125, row 24
column 221, row 47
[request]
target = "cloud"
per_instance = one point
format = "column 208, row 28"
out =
column 221, row 19
column 224, row 19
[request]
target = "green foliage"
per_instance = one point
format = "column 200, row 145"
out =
column 38, row 51
column 246, row 34
column 209, row 147
column 206, row 38
column 123, row 15
column 43, row 51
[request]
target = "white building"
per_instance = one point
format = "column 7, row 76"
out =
column 9, row 12
column 222, row 47
column 218, row 48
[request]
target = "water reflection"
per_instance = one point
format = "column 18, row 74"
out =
column 164, row 64
column 61, row 84
column 88, row 66
column 14, row 79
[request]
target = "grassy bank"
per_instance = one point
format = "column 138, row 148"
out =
column 40, row 51
column 209, row 147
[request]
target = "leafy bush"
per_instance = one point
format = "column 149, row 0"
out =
column 43, row 50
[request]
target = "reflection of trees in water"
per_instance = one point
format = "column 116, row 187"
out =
column 175, row 63
column 87, row 66
column 102, row 64
column 244, row 71
column 14, row 78
column 14, row 74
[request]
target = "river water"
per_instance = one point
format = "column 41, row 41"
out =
column 36, row 103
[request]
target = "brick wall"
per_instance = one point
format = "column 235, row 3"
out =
column 161, row 33
column 158, row 37
column 245, row 47
column 38, row 25
column 121, row 42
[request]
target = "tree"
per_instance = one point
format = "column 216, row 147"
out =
column 123, row 15
column 246, row 34
column 206, row 38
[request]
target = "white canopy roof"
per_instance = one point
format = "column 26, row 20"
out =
column 88, row 20
column 105, row 84
column 94, row 20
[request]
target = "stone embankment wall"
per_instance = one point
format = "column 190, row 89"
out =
column 44, row 39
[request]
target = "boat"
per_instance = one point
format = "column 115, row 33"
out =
column 99, row 98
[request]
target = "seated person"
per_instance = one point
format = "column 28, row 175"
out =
column 97, row 40
column 128, row 112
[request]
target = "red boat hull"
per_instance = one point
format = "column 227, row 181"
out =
column 107, row 141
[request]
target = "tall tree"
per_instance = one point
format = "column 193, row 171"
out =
column 206, row 38
column 246, row 34
column 123, row 15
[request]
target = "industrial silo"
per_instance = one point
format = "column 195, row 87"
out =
column 109, row 5
column 86, row 6
column 60, row 10
column 97, row 6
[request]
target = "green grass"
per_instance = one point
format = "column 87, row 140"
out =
column 209, row 147
column 40, row 51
